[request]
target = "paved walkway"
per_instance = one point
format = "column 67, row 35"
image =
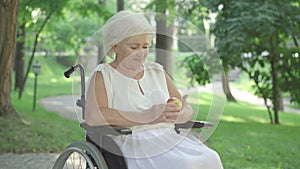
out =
column 27, row 161
column 66, row 107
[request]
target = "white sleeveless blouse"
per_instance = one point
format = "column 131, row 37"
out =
column 124, row 94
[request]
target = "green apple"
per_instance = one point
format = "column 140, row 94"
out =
column 176, row 101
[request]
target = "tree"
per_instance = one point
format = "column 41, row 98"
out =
column 253, row 36
column 43, row 12
column 8, row 33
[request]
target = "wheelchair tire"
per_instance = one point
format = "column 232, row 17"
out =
column 88, row 153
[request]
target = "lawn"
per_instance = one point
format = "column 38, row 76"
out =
column 244, row 138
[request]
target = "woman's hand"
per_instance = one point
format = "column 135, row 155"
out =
column 163, row 113
column 186, row 112
column 170, row 113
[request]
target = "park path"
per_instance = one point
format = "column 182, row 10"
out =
column 66, row 107
column 27, row 161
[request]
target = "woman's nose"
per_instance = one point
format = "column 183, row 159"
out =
column 141, row 52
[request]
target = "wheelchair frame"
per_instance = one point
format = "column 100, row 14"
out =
column 90, row 151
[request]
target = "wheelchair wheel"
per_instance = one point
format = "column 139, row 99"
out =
column 81, row 155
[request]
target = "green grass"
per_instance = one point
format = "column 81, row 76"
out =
column 244, row 137
column 40, row 130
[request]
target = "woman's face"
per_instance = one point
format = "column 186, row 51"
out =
column 133, row 51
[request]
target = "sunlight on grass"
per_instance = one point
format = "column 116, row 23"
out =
column 47, row 68
column 53, row 80
column 29, row 92
column 194, row 99
column 233, row 119
column 31, row 75
column 258, row 119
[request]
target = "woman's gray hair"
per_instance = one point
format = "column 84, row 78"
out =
column 123, row 25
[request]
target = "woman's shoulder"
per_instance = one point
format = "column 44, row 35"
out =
column 103, row 67
column 153, row 65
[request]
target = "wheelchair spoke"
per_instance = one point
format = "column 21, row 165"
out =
column 75, row 161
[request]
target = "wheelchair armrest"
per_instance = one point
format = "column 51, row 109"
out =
column 194, row 124
column 106, row 130
column 114, row 130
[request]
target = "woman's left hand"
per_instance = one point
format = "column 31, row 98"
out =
column 186, row 112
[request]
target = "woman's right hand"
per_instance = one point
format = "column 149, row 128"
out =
column 163, row 113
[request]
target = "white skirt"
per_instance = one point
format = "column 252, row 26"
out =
column 163, row 148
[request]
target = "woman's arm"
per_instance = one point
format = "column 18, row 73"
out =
column 186, row 113
column 98, row 112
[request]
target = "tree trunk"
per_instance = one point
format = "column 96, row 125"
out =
column 274, row 91
column 19, row 62
column 8, row 32
column 274, row 80
column 280, row 101
column 164, row 43
column 226, row 88
column 120, row 5
column 164, row 36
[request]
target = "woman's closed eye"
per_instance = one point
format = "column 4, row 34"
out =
column 134, row 46
column 137, row 47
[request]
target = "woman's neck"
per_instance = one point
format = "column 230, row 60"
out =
column 132, row 72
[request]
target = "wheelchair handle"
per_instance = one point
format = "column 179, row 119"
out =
column 80, row 102
column 69, row 71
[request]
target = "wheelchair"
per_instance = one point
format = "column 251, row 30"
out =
column 99, row 151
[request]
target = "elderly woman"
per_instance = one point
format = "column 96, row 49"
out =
column 131, row 92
